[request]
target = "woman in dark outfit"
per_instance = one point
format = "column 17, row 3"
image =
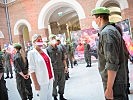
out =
column 20, row 72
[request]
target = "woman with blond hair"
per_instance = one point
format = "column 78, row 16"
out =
column 40, row 68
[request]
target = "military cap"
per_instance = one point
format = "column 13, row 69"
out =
column 17, row 45
column 52, row 36
column 100, row 10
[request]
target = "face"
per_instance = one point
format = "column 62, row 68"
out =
column 97, row 20
column 39, row 42
column 54, row 42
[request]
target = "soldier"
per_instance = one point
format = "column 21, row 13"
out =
column 64, row 50
column 87, row 53
column 59, row 66
column 3, row 89
column 111, row 57
column 70, row 52
column 20, row 70
column 7, row 64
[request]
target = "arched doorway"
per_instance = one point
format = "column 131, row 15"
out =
column 116, row 7
column 61, row 16
column 64, row 20
column 24, row 36
column 115, row 11
column 22, row 29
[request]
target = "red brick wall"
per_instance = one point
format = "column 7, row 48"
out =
column 30, row 9
column 3, row 27
column 128, row 13
column 87, row 5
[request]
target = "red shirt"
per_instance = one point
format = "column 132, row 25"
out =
column 47, row 61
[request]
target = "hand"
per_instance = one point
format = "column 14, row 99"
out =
column 37, row 86
column 26, row 76
column 109, row 94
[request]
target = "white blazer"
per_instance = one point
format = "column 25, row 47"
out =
column 38, row 65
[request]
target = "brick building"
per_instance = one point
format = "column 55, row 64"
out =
column 26, row 17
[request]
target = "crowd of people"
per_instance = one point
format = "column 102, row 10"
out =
column 47, row 66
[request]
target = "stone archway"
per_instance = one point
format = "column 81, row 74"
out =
column 116, row 7
column 21, row 30
column 52, row 5
column 123, row 4
column 19, row 23
column 1, row 34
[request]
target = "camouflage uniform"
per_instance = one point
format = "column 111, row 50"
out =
column 111, row 57
column 7, row 64
column 70, row 53
column 3, row 89
column 57, row 56
column 87, row 54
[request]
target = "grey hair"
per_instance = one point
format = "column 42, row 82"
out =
column 34, row 37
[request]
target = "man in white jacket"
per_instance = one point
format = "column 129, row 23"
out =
column 40, row 68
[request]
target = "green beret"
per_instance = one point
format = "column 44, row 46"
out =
column 52, row 36
column 17, row 45
column 100, row 10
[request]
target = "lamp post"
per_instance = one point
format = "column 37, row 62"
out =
column 8, row 21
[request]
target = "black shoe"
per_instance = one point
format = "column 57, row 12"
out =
column 87, row 66
column 75, row 63
column 55, row 98
column 128, row 91
column 7, row 77
column 62, row 97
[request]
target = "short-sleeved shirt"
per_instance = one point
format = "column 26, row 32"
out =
column 111, row 54
column 57, row 57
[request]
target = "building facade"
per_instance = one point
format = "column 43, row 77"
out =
column 20, row 19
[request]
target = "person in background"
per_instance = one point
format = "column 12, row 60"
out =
column 87, row 54
column 40, row 68
column 7, row 64
column 59, row 66
column 64, row 50
column 111, row 57
column 19, row 65
column 3, row 89
column 69, row 52
column 127, row 56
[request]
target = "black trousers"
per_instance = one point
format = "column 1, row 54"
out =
column 29, row 88
column 21, row 87
column 24, row 87
column 3, row 89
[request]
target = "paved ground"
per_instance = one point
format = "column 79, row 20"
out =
column 84, row 84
